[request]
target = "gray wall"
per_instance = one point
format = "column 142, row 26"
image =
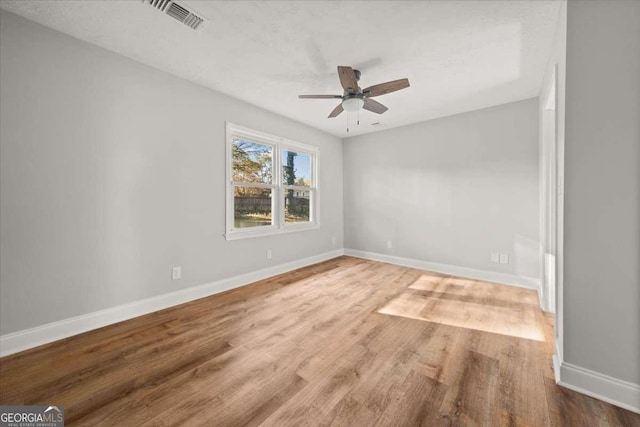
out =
column 113, row 172
column 449, row 190
column 602, row 188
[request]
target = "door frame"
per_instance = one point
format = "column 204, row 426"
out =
column 552, row 185
column 549, row 194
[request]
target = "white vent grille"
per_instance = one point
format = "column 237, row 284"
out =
column 178, row 12
column 160, row 4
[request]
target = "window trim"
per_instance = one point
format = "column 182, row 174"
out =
column 279, row 144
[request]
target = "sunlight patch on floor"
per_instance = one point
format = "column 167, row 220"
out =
column 511, row 321
column 433, row 283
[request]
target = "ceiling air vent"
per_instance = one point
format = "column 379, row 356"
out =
column 177, row 11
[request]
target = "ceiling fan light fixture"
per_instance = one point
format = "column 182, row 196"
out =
column 351, row 105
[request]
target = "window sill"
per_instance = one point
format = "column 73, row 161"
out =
column 269, row 231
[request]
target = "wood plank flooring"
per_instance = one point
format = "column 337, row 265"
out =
column 346, row 342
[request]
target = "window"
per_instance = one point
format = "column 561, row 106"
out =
column 271, row 184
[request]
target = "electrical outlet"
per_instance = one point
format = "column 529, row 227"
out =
column 176, row 273
column 333, row 240
column 495, row 257
column 269, row 254
column 389, row 244
column 504, row 258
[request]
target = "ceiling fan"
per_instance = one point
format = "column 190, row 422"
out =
column 355, row 98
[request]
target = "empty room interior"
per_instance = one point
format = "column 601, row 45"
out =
column 286, row 213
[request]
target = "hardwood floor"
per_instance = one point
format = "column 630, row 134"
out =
column 345, row 342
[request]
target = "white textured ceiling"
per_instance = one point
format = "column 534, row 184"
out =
column 458, row 55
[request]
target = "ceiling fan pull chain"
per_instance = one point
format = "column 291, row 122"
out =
column 358, row 121
column 347, row 122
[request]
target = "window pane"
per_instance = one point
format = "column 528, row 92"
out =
column 296, row 206
column 296, row 168
column 252, row 162
column 251, row 207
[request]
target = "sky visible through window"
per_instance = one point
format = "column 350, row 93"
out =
column 301, row 167
column 252, row 162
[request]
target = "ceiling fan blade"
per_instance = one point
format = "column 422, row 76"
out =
column 348, row 78
column 375, row 106
column 319, row 96
column 384, row 88
column 336, row 111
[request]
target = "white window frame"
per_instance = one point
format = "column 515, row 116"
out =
column 277, row 187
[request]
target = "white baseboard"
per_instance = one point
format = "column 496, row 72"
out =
column 603, row 387
column 454, row 270
column 611, row 390
column 29, row 338
column 557, row 362
column 556, row 367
